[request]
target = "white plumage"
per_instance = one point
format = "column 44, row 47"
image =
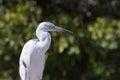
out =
column 32, row 58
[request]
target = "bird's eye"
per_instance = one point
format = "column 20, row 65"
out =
column 45, row 24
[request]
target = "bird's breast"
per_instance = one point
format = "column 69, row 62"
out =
column 38, row 61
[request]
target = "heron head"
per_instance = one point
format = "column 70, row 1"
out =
column 48, row 26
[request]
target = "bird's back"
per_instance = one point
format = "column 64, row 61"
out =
column 32, row 61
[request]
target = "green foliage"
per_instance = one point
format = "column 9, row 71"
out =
column 105, row 32
column 91, row 53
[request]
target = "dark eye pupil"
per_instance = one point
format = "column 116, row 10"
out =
column 46, row 25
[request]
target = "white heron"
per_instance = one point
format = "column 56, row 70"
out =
column 32, row 58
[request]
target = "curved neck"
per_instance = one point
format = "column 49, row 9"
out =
column 39, row 33
column 44, row 39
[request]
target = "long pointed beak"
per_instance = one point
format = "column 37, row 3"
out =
column 59, row 29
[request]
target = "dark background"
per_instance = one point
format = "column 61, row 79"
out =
column 91, row 53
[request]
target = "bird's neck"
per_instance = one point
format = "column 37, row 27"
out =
column 39, row 33
column 44, row 38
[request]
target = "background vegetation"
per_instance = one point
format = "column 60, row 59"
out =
column 91, row 53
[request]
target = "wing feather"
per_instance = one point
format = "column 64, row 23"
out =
column 24, row 62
